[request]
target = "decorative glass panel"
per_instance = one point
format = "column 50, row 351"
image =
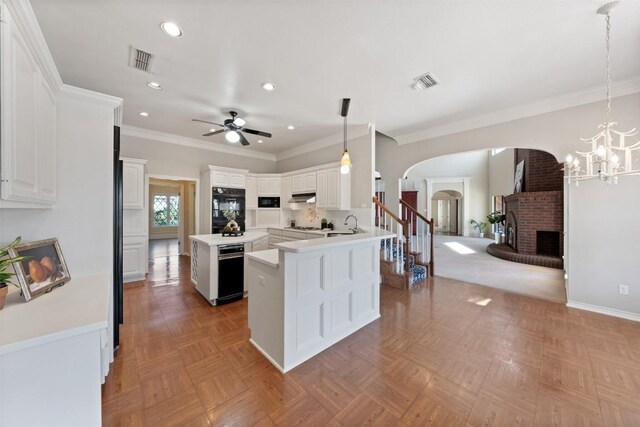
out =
column 174, row 210
column 160, row 210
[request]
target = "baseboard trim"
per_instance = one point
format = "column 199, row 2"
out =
column 264, row 353
column 605, row 310
column 134, row 277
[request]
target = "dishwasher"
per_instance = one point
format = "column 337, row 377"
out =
column 230, row 273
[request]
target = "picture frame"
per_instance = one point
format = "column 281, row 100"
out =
column 43, row 271
column 519, row 175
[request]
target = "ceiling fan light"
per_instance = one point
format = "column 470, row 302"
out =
column 232, row 136
column 345, row 163
column 239, row 122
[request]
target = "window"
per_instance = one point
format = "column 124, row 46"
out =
column 497, row 151
column 498, row 205
column 166, row 210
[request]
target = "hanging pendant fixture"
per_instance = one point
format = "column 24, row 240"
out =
column 345, row 161
column 606, row 160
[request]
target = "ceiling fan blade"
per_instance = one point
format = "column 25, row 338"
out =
column 205, row 121
column 243, row 140
column 256, row 132
column 345, row 107
column 215, row 132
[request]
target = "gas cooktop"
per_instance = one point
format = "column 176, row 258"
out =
column 298, row 227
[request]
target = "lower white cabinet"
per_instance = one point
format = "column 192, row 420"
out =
column 134, row 257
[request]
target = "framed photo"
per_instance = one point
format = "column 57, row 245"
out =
column 518, row 177
column 43, row 271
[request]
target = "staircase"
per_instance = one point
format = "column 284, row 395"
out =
column 407, row 258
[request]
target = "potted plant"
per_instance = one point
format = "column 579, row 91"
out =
column 497, row 217
column 232, row 224
column 323, row 223
column 479, row 226
column 5, row 262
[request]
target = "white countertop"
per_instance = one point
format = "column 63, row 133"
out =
column 313, row 244
column 268, row 257
column 217, row 239
column 80, row 306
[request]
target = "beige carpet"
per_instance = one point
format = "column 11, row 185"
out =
column 466, row 259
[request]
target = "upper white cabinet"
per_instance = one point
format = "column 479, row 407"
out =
column 285, row 191
column 28, row 123
column 251, row 193
column 133, row 183
column 226, row 178
column 269, row 186
column 334, row 190
column 303, row 183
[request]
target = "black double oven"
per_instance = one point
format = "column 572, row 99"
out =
column 226, row 199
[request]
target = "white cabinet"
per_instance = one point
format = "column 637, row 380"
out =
column 334, row 190
column 322, row 189
column 260, row 245
column 134, row 259
column 303, row 183
column 28, row 116
column 269, row 186
column 222, row 177
column 133, row 183
column 251, row 193
column 285, row 194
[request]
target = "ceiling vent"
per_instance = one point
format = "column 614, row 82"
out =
column 141, row 60
column 425, row 81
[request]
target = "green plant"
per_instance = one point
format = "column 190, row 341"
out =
column 230, row 214
column 6, row 261
column 496, row 217
column 479, row 225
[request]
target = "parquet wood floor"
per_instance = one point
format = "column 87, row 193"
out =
column 443, row 354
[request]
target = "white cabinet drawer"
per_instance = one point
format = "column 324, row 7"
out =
column 294, row 235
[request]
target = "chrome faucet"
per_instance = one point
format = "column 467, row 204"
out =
column 346, row 220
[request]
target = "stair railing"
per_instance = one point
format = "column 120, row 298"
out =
column 420, row 234
column 389, row 221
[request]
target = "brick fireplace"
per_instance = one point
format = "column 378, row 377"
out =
column 534, row 217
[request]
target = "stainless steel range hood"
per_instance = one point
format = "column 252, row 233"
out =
column 303, row 198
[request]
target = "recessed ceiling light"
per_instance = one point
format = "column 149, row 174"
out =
column 291, row 127
column 171, row 29
column 268, row 86
column 260, row 141
column 154, row 85
column 144, row 114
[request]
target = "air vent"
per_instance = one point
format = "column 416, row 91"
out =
column 425, row 81
column 141, row 60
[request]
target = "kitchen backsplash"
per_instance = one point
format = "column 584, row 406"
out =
column 311, row 217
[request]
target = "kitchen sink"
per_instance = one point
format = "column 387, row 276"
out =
column 343, row 233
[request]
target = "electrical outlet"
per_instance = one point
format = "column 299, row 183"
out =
column 623, row 289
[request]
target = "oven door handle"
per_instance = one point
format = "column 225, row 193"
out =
column 230, row 256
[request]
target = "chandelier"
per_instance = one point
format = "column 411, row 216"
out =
column 610, row 155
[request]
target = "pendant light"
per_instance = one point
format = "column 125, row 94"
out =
column 345, row 162
column 606, row 160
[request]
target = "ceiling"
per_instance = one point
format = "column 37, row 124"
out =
column 487, row 55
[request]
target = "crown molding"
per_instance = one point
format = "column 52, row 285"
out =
column 72, row 92
column 356, row 132
column 23, row 16
column 573, row 99
column 169, row 138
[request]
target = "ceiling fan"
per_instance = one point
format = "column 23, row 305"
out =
column 234, row 128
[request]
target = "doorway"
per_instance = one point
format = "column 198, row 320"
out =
column 172, row 215
column 445, row 206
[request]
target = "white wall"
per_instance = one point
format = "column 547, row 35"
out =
column 589, row 206
column 186, row 162
column 473, row 164
column 501, row 173
column 82, row 216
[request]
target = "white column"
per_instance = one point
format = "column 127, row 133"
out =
column 465, row 209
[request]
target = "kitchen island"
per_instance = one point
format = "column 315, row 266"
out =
column 208, row 254
column 307, row 295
